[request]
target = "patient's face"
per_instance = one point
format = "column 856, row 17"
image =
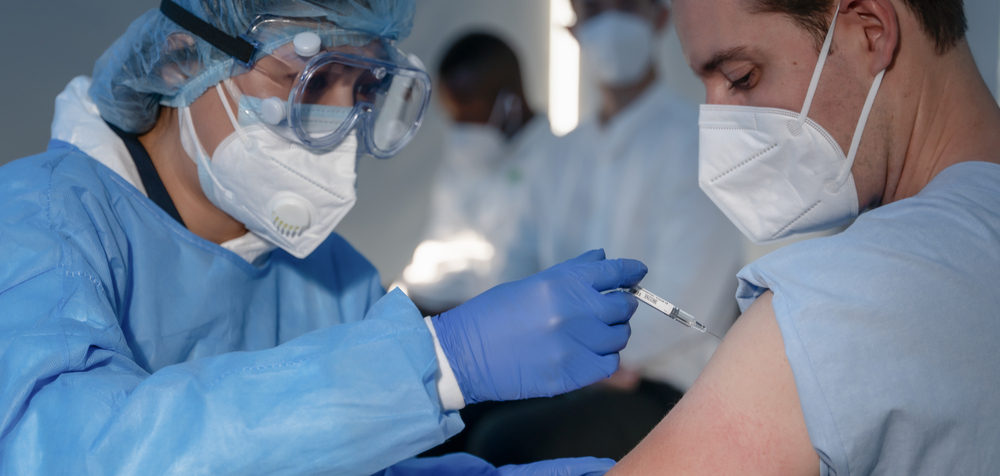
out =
column 767, row 60
column 745, row 58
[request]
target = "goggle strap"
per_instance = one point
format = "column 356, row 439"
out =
column 239, row 48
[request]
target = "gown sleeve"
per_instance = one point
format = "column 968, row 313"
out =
column 349, row 399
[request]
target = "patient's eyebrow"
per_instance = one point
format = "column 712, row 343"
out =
column 721, row 57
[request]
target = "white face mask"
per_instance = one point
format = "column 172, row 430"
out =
column 474, row 146
column 776, row 173
column 619, row 45
column 280, row 190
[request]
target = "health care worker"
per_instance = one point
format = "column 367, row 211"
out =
column 628, row 181
column 479, row 232
column 873, row 351
column 173, row 299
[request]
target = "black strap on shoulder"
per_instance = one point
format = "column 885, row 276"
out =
column 147, row 173
column 238, row 48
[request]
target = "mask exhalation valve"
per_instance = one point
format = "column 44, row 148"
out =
column 290, row 214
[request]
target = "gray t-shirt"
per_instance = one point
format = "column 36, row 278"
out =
column 892, row 330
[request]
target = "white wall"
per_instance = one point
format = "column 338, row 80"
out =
column 984, row 39
column 45, row 44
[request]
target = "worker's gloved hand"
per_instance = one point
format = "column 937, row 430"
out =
column 560, row 467
column 544, row 335
column 455, row 464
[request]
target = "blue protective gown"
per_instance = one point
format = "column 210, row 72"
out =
column 128, row 345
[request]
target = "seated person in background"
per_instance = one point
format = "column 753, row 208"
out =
column 626, row 181
column 476, row 238
column 873, row 351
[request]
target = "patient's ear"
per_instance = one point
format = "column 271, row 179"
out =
column 878, row 20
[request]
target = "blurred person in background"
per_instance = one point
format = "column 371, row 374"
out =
column 479, row 235
column 626, row 181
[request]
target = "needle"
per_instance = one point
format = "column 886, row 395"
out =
column 670, row 310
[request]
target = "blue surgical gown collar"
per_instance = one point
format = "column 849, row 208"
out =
column 155, row 189
column 171, row 224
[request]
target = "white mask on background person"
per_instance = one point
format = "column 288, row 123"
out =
column 280, row 190
column 619, row 46
column 474, row 146
column 775, row 173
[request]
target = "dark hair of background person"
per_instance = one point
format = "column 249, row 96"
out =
column 943, row 20
column 480, row 65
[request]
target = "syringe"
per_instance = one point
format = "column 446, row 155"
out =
column 664, row 306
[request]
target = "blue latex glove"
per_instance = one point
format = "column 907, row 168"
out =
column 544, row 335
column 560, row 467
column 456, row 464
column 462, row 464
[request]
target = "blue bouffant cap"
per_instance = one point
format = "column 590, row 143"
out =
column 156, row 62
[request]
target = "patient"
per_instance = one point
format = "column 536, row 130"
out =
column 873, row 351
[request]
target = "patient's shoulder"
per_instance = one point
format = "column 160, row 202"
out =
column 742, row 416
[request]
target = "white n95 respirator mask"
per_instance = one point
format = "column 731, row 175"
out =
column 619, row 45
column 284, row 192
column 776, row 173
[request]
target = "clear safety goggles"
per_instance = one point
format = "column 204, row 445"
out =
column 313, row 83
column 321, row 101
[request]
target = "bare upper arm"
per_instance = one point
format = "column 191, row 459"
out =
column 742, row 416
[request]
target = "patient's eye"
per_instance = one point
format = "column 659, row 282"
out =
column 743, row 77
column 743, row 83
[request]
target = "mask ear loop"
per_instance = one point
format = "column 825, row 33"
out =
column 202, row 155
column 814, row 84
column 796, row 128
column 859, row 132
column 232, row 117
